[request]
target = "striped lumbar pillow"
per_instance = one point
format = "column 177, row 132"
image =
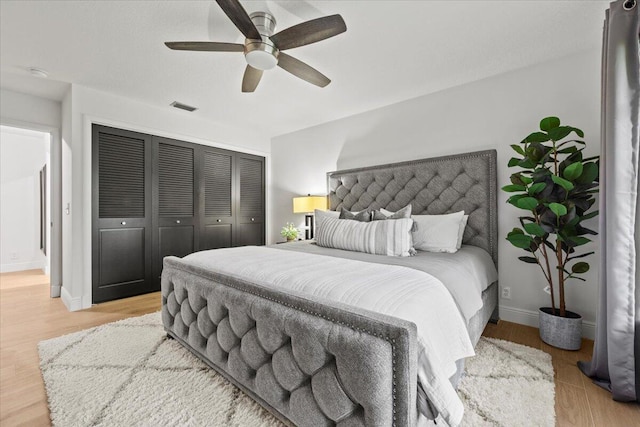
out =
column 390, row 237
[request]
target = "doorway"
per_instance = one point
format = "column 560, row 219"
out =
column 28, row 251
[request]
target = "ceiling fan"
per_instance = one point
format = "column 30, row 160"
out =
column 263, row 49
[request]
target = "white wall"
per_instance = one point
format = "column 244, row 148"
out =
column 488, row 114
column 83, row 107
column 20, row 107
column 22, row 155
column 66, row 182
column 32, row 112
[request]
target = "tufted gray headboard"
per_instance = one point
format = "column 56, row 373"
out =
column 433, row 186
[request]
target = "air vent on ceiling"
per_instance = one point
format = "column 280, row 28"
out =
column 182, row 106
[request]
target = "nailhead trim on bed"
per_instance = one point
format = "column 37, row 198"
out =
column 184, row 303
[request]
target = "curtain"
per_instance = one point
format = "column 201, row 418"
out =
column 615, row 364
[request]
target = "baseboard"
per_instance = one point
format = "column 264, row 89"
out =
column 22, row 266
column 530, row 318
column 72, row 304
column 87, row 301
column 55, row 291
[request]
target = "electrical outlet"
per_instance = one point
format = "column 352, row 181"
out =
column 14, row 255
column 506, row 292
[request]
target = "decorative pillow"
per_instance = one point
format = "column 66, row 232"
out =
column 391, row 238
column 385, row 214
column 362, row 216
column 402, row 213
column 376, row 215
column 463, row 225
column 437, row 233
column 320, row 216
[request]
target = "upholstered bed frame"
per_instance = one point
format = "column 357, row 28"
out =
column 284, row 350
column 432, row 186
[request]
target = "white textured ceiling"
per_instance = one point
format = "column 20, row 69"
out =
column 392, row 51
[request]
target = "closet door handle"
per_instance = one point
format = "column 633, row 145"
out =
column 177, row 221
column 218, row 220
column 124, row 223
column 253, row 219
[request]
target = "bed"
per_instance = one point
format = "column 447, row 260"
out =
column 299, row 329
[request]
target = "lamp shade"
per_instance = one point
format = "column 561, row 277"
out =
column 306, row 204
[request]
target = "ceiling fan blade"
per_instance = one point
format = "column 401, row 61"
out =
column 206, row 46
column 251, row 79
column 234, row 10
column 309, row 32
column 302, row 70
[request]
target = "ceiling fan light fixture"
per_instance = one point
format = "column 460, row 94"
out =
column 261, row 60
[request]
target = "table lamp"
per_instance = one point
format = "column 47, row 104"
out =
column 306, row 205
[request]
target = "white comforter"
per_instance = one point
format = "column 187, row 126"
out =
column 397, row 291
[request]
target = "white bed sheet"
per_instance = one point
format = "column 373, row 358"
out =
column 466, row 273
column 397, row 291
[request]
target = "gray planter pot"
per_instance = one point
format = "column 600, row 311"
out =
column 561, row 332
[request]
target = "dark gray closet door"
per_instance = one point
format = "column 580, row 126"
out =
column 174, row 201
column 250, row 176
column 121, row 214
column 218, row 223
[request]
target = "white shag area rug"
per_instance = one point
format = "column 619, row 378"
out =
column 128, row 373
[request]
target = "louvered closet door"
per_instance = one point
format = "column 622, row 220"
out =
column 218, row 188
column 175, row 209
column 121, row 214
column 250, row 176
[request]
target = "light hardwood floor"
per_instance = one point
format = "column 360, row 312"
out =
column 578, row 401
column 28, row 315
column 20, row 279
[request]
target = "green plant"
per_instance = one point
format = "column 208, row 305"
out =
column 289, row 231
column 556, row 186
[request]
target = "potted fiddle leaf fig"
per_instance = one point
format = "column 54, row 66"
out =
column 554, row 187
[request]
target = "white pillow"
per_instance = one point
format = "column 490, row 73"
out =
column 437, row 233
column 391, row 237
column 463, row 225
